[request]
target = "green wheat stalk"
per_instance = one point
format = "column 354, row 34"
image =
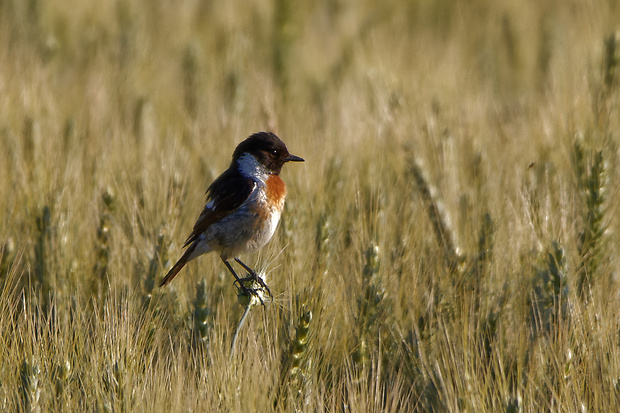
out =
column 592, row 239
column 108, row 201
column 117, row 385
column 100, row 269
column 324, row 240
column 295, row 373
column 373, row 308
column 551, row 291
column 479, row 265
column 29, row 389
column 62, row 375
column 202, row 314
column 43, row 251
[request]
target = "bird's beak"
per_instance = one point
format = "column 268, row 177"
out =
column 293, row 158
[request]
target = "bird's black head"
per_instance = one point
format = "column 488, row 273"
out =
column 268, row 149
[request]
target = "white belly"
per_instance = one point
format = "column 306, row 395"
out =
column 242, row 232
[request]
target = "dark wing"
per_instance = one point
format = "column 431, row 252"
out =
column 225, row 194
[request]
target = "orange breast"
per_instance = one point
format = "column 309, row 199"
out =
column 276, row 191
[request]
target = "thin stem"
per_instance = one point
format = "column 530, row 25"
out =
column 234, row 341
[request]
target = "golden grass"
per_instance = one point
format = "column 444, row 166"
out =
column 451, row 233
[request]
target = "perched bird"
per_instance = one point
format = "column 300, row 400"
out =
column 243, row 206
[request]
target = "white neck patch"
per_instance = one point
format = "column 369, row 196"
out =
column 249, row 166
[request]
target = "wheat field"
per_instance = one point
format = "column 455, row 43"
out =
column 450, row 243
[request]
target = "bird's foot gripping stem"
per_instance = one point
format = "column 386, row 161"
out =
column 252, row 290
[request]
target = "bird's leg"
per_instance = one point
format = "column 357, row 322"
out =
column 230, row 268
column 239, row 281
column 254, row 276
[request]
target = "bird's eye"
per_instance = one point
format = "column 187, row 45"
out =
column 274, row 152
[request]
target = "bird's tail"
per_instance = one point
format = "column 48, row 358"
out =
column 178, row 266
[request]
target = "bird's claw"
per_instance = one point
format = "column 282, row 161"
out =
column 252, row 286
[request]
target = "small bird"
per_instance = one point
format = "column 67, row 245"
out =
column 243, row 206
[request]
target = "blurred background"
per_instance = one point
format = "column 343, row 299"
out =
column 447, row 245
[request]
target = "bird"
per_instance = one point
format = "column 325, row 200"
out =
column 243, row 207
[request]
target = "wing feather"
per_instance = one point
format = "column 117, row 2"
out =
column 227, row 193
